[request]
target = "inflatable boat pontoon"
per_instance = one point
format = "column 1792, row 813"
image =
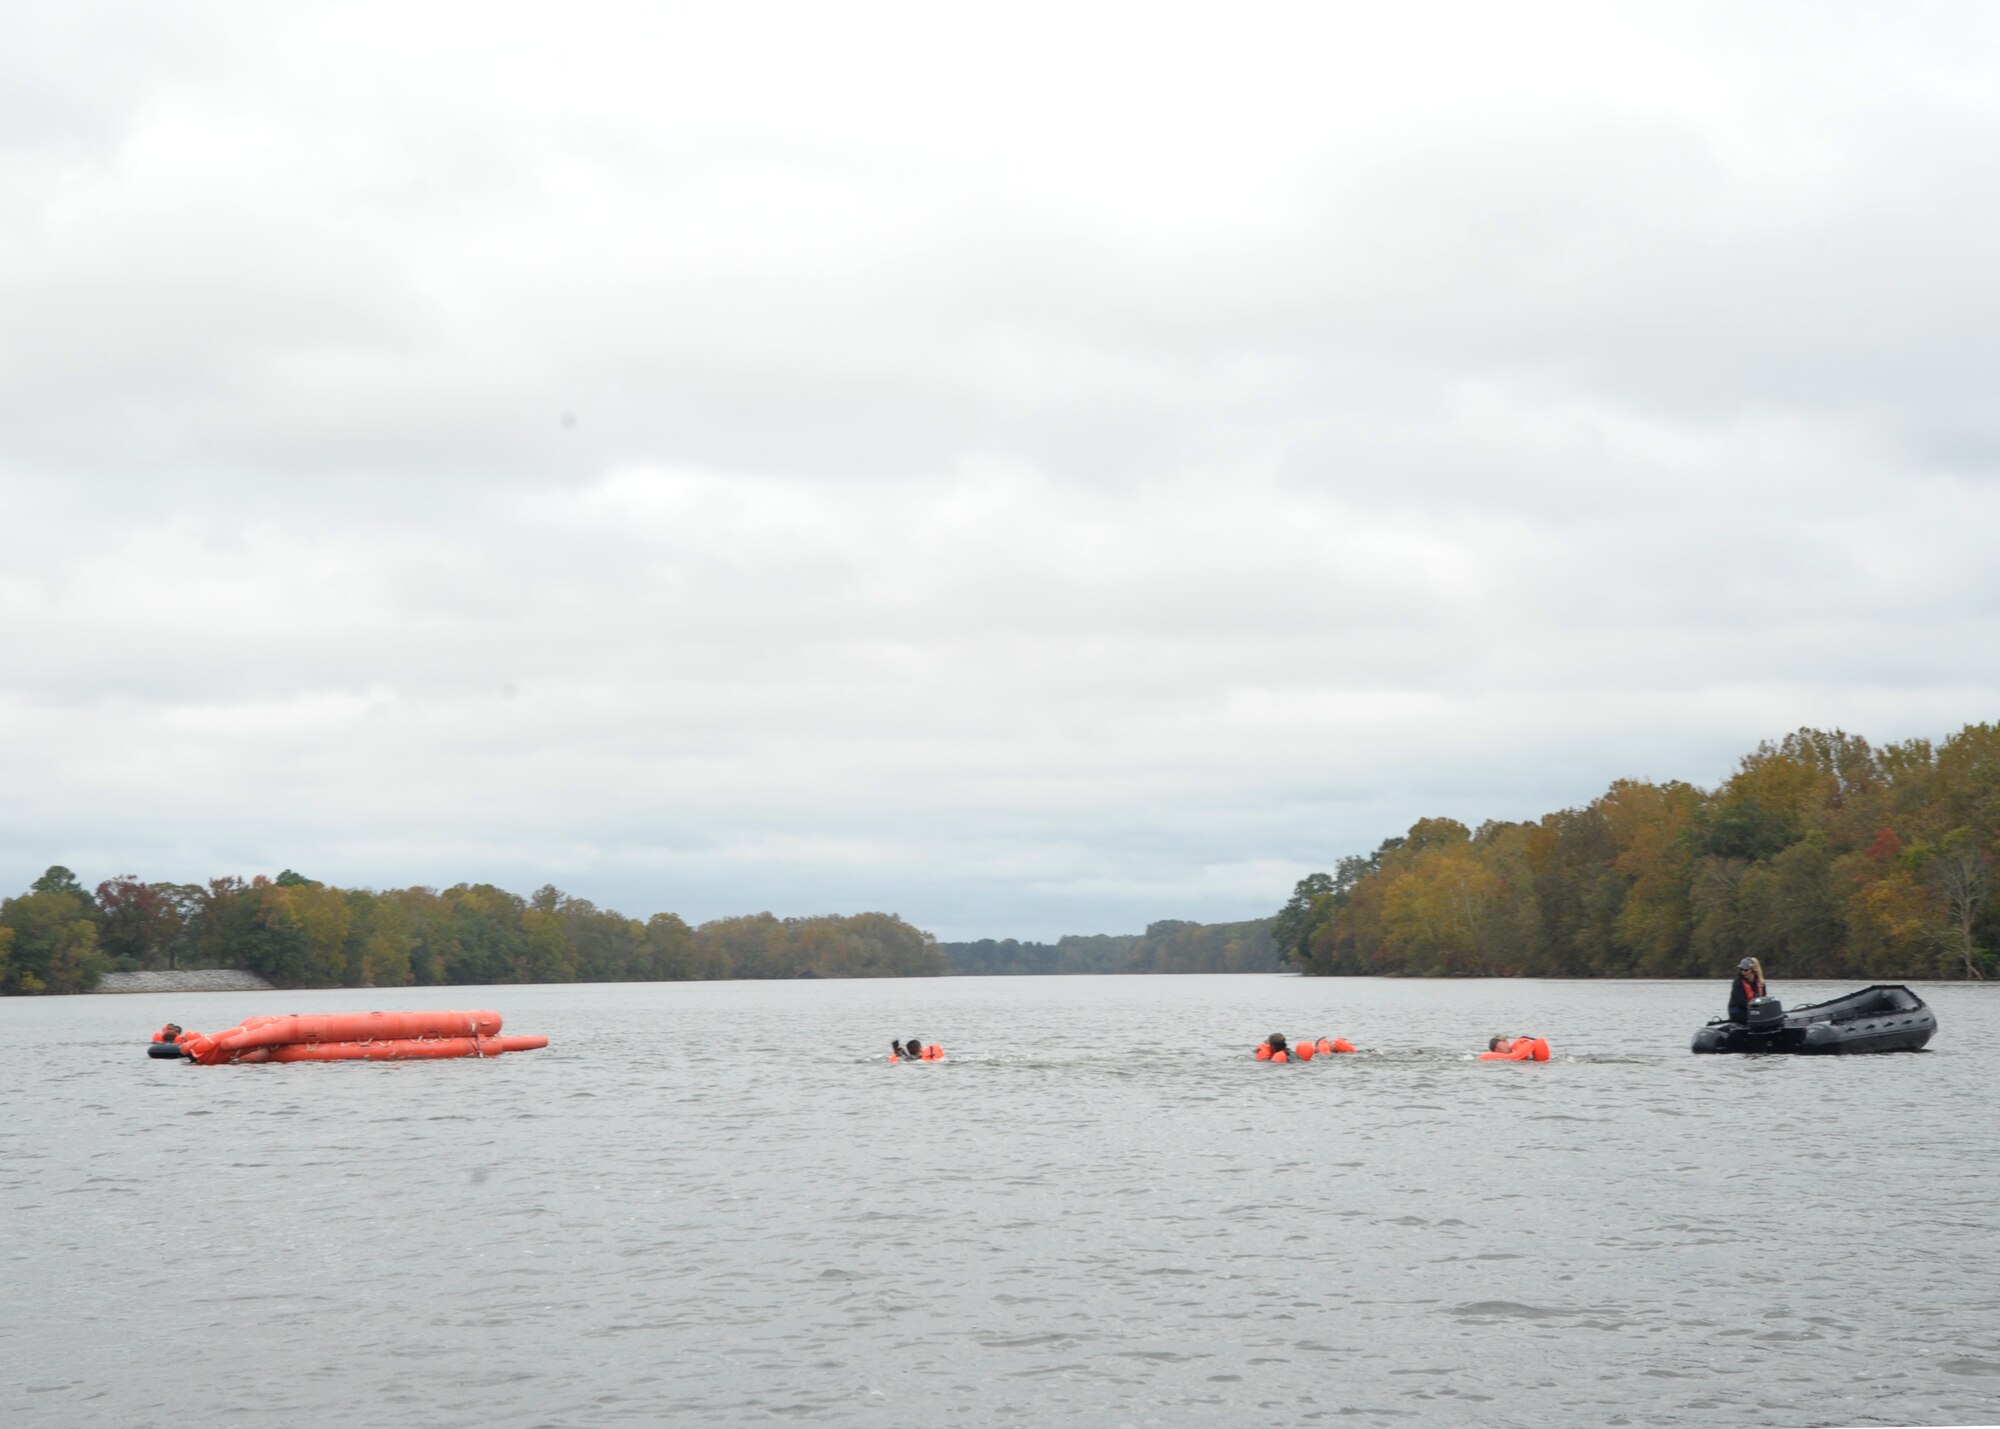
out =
column 1883, row 1018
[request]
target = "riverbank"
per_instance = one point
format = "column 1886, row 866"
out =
column 193, row 980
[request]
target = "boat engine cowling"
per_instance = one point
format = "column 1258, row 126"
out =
column 1764, row 1014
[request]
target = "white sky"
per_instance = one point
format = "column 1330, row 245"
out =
column 1035, row 470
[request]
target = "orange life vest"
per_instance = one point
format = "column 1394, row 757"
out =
column 1305, row 1050
column 933, row 1053
column 1263, row 1051
column 1521, row 1049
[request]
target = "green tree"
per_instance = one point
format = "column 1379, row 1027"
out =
column 668, row 951
column 379, row 941
column 1294, row 922
column 549, row 958
column 57, row 879
column 53, row 942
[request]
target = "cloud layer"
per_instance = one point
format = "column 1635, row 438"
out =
column 1036, row 474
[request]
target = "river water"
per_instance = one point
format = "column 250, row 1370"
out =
column 717, row 1203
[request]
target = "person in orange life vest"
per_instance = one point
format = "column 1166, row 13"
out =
column 915, row 1051
column 170, row 1033
column 1748, row 987
column 1329, row 1045
column 1515, row 1049
column 1275, row 1049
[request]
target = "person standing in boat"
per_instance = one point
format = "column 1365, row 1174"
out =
column 1748, row 987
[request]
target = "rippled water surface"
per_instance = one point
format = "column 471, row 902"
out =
column 717, row 1203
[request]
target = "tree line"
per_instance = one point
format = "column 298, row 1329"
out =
column 297, row 932
column 1822, row 855
column 1168, row 946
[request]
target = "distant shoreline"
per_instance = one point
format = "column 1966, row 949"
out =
column 193, row 980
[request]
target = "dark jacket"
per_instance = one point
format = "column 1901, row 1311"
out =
column 1740, row 993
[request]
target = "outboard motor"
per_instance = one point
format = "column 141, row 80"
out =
column 1764, row 1014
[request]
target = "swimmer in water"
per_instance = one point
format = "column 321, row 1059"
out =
column 1515, row 1049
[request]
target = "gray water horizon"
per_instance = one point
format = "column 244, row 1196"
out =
column 719, row 1203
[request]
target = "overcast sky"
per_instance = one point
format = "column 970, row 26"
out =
column 1032, row 468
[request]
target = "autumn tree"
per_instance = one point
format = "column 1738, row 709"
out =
column 1820, row 853
column 1962, row 871
column 139, row 925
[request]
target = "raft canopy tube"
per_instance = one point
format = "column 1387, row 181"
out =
column 357, row 1036
column 338, row 1027
column 396, row 1049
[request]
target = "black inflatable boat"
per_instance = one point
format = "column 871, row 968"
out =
column 1882, row 1018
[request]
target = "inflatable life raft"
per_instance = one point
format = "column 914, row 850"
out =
column 1883, row 1018
column 351, row 1037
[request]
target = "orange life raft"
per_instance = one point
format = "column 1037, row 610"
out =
column 357, row 1037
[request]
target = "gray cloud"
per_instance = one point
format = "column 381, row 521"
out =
column 720, row 461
